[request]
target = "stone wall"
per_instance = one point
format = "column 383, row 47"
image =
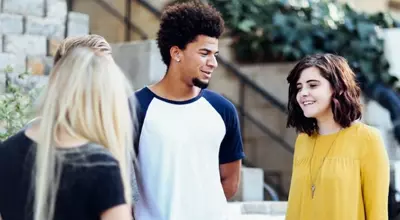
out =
column 140, row 61
column 31, row 31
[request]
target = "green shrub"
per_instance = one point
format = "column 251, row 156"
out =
column 283, row 30
column 287, row 30
column 15, row 107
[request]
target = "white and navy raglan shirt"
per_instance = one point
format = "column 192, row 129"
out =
column 180, row 146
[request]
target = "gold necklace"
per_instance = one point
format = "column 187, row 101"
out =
column 313, row 187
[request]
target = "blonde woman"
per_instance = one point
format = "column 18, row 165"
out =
column 72, row 163
column 93, row 41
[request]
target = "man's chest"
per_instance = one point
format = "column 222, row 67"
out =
column 183, row 126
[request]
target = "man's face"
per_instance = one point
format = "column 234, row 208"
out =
column 199, row 61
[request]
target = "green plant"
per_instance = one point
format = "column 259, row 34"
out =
column 15, row 107
column 287, row 30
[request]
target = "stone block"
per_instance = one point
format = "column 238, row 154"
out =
column 224, row 83
column 48, row 27
column 56, row 9
column 17, row 63
column 39, row 65
column 11, row 24
column 25, row 44
column 27, row 82
column 270, row 207
column 251, row 185
column 271, row 77
column 52, row 45
column 24, row 7
column 265, row 210
column 78, row 24
column 140, row 61
column 278, row 208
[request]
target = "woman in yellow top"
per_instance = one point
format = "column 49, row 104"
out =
column 340, row 167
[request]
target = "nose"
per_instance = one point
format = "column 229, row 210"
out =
column 304, row 92
column 212, row 62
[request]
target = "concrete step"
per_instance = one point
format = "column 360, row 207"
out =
column 257, row 217
column 265, row 210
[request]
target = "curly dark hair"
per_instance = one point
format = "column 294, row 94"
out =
column 346, row 104
column 181, row 23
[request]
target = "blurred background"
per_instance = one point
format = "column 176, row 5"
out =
column 262, row 42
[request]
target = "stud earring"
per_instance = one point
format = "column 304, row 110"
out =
column 178, row 60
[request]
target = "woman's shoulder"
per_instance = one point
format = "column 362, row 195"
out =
column 89, row 155
column 17, row 138
column 363, row 132
column 367, row 138
column 303, row 138
column 303, row 143
column 17, row 145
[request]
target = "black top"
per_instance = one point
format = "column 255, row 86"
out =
column 90, row 181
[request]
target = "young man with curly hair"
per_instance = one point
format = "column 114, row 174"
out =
column 189, row 145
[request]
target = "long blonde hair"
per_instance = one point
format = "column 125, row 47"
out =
column 87, row 96
column 93, row 41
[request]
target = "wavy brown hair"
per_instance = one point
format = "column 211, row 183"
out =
column 345, row 104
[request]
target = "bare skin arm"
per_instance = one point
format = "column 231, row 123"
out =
column 121, row 212
column 230, row 177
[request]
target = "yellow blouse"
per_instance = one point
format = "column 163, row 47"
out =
column 352, row 184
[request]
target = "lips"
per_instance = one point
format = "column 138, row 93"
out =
column 207, row 73
column 308, row 103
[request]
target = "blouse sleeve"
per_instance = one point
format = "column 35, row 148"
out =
column 375, row 175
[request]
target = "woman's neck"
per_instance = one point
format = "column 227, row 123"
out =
column 64, row 140
column 328, row 125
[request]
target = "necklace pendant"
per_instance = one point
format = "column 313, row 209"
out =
column 312, row 190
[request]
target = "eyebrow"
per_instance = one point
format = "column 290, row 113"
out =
column 309, row 81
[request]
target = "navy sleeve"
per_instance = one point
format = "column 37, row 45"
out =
column 143, row 97
column 108, row 190
column 231, row 148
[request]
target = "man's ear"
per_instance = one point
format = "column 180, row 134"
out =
column 175, row 53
